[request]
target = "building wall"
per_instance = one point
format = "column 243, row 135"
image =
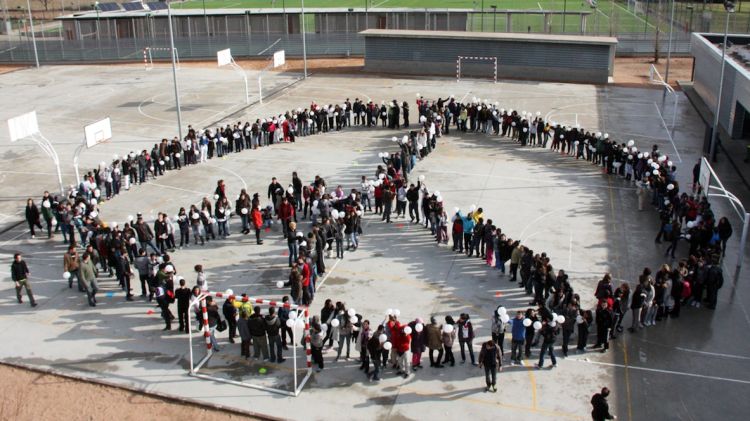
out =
column 706, row 82
column 564, row 62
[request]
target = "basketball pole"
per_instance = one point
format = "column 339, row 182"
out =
column 304, row 43
column 33, row 35
column 174, row 71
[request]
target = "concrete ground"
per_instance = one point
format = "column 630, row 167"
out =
column 587, row 222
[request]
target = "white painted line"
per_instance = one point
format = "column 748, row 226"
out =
column 664, row 123
column 178, row 188
column 323, row 281
column 379, row 4
column 715, row 354
column 634, row 15
column 244, row 184
column 656, row 370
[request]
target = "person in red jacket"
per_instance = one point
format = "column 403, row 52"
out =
column 257, row 219
column 286, row 215
column 401, row 340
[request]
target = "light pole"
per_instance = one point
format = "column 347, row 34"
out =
column 690, row 18
column 565, row 10
column 669, row 43
column 494, row 17
column 174, row 71
column 729, row 7
column 33, row 36
column 304, row 43
column 481, row 26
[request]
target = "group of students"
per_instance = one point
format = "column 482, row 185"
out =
column 336, row 217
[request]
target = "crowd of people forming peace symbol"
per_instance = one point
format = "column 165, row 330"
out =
column 316, row 219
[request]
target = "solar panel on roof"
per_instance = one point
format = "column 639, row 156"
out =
column 157, row 5
column 132, row 6
column 108, row 7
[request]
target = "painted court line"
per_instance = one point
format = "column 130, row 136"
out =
column 656, row 370
column 669, row 134
column 715, row 354
column 323, row 281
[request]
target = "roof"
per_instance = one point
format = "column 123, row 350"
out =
column 488, row 36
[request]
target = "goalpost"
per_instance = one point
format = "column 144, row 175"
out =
column 148, row 61
column 655, row 78
column 461, row 59
column 300, row 318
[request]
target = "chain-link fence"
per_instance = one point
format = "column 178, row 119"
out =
column 640, row 26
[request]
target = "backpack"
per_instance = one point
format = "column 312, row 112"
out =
column 686, row 290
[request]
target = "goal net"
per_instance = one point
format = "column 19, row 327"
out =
column 160, row 52
column 466, row 65
column 230, row 369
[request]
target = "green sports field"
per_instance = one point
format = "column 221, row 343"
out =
column 608, row 15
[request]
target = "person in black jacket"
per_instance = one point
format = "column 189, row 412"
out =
column 273, row 324
column 19, row 273
column 601, row 407
column 604, row 319
column 257, row 327
column 32, row 216
column 230, row 315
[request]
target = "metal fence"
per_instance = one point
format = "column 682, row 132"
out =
column 640, row 26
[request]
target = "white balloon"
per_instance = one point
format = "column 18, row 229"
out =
column 527, row 322
column 293, row 315
column 290, row 323
column 351, row 312
column 553, row 323
column 504, row 318
column 407, row 330
column 382, row 338
column 228, row 292
column 335, row 323
column 537, row 325
column 290, row 190
column 396, row 312
column 300, row 323
column 279, row 284
column 501, row 311
column 448, row 328
column 354, row 319
column 387, row 346
column 244, row 211
column 418, row 327
column 323, row 327
column 561, row 319
column 132, row 240
column 66, row 275
column 579, row 319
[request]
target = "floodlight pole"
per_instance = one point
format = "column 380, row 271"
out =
column 715, row 129
column 174, row 71
column 304, row 42
column 33, row 40
column 669, row 43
